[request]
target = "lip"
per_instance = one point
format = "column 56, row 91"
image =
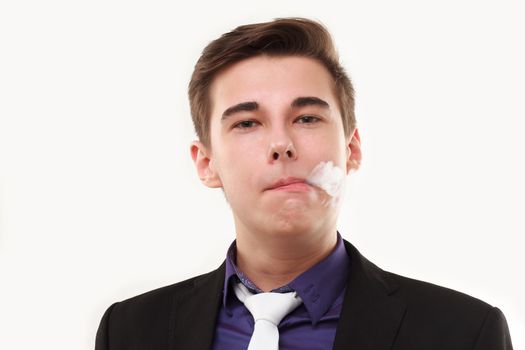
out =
column 290, row 184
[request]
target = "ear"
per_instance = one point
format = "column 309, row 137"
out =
column 353, row 160
column 204, row 164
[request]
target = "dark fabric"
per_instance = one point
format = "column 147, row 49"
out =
column 381, row 310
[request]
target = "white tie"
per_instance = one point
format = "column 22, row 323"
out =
column 267, row 309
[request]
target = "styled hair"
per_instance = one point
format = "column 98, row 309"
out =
column 280, row 37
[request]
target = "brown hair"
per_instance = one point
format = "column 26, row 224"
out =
column 280, row 37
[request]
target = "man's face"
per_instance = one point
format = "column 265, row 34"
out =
column 273, row 119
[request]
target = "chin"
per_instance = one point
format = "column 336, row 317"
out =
column 290, row 225
column 286, row 232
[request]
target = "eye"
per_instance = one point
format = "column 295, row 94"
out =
column 308, row 119
column 244, row 124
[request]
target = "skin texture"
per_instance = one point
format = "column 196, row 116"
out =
column 280, row 233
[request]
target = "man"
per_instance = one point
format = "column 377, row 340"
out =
column 274, row 113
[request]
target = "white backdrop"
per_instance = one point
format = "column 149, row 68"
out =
column 99, row 200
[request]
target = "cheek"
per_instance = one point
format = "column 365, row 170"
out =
column 325, row 147
column 331, row 180
column 237, row 168
column 329, row 177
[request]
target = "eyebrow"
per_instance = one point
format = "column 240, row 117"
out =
column 309, row 101
column 254, row 106
column 240, row 107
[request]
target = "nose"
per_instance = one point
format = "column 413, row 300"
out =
column 283, row 150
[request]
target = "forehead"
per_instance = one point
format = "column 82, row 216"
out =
column 270, row 81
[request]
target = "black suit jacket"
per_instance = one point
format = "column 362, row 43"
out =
column 381, row 311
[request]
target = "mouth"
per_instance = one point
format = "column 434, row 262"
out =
column 290, row 184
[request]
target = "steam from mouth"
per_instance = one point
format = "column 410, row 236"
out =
column 330, row 178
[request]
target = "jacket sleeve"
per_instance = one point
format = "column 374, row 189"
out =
column 494, row 333
column 102, row 338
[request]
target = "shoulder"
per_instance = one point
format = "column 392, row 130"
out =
column 415, row 293
column 427, row 298
column 162, row 298
column 445, row 314
column 428, row 313
column 151, row 312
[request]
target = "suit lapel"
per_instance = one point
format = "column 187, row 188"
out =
column 195, row 312
column 371, row 314
column 370, row 317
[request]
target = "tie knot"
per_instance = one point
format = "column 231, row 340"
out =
column 272, row 307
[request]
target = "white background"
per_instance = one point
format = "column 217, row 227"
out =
column 99, row 200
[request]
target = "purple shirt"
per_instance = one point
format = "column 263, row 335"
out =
column 311, row 326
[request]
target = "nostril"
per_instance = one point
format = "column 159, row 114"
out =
column 289, row 154
column 275, row 155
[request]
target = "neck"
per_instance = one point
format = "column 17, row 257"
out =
column 273, row 260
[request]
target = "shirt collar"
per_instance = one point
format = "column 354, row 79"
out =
column 318, row 286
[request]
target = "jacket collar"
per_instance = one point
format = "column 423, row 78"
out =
column 370, row 317
column 195, row 312
column 371, row 313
